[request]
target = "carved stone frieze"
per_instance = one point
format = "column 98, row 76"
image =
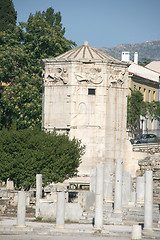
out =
column 58, row 76
column 117, row 77
column 90, row 75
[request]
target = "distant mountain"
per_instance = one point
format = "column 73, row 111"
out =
column 148, row 49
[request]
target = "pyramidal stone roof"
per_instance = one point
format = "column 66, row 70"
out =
column 86, row 53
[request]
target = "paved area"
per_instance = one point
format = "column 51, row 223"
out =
column 80, row 237
column 47, row 231
column 31, row 237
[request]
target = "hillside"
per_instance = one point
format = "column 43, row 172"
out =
column 149, row 49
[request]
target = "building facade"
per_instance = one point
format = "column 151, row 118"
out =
column 147, row 82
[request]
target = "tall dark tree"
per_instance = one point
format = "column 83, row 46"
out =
column 8, row 15
column 54, row 19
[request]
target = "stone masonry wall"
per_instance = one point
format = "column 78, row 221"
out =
column 152, row 163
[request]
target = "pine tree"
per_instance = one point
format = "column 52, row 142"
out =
column 8, row 15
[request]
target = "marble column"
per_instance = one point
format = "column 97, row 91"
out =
column 140, row 189
column 148, row 200
column 38, row 192
column 126, row 187
column 21, row 209
column 99, row 197
column 93, row 180
column 60, row 209
column 108, row 182
column 118, row 186
column 136, row 232
column 133, row 198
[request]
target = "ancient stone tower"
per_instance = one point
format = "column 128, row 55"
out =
column 84, row 94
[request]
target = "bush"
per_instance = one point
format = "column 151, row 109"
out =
column 25, row 153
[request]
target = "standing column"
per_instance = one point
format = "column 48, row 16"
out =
column 118, row 186
column 148, row 200
column 140, row 189
column 21, row 210
column 126, row 187
column 60, row 209
column 108, row 182
column 99, row 197
column 136, row 232
column 38, row 192
column 93, row 180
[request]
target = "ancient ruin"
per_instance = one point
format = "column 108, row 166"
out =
column 85, row 96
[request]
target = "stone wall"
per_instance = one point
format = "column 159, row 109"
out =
column 150, row 148
column 152, row 163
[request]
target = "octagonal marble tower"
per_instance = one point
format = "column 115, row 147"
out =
column 85, row 95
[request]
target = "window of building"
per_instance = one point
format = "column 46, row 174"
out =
column 91, row 91
column 139, row 88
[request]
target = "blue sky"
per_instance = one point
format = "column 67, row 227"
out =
column 103, row 23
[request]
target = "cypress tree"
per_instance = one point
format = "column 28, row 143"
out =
column 8, row 15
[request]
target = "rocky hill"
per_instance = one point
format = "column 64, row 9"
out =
column 149, row 50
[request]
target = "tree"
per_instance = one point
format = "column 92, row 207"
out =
column 21, row 52
column 27, row 152
column 144, row 61
column 21, row 98
column 153, row 109
column 135, row 108
column 8, row 15
column 54, row 19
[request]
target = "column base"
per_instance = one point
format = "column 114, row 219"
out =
column 98, row 229
column 60, row 226
column 117, row 211
column 147, row 229
column 21, row 226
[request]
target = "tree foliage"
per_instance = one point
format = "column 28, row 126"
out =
column 144, row 61
column 153, row 110
column 136, row 107
column 8, row 15
column 42, row 36
column 27, row 152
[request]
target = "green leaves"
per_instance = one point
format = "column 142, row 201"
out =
column 25, row 153
column 154, row 110
column 136, row 107
column 21, row 102
column 20, row 53
column 8, row 15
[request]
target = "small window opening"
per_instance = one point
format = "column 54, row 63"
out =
column 91, row 91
